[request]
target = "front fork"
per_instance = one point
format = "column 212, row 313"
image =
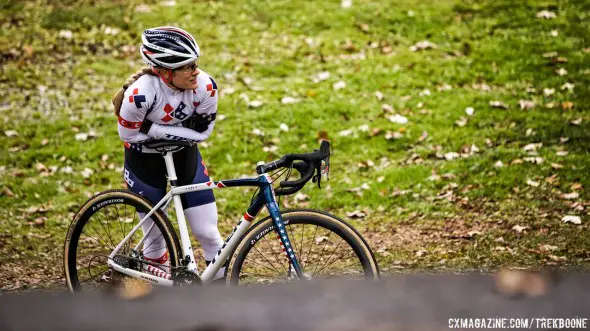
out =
column 277, row 220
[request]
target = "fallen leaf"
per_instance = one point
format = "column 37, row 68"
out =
column 548, row 91
column 289, row 100
column 561, row 72
column 526, row 104
column 567, row 105
column 356, row 214
column 469, row 111
column 532, row 147
column 11, row 133
column 534, row 160
column 568, row 86
column 423, row 136
column 425, row 92
column 284, row 127
column 422, row 45
column 387, row 108
column 421, row 253
column 561, row 153
column 379, row 95
column 257, row 132
column 321, row 76
column 339, row 85
column 572, row 219
column 551, row 104
column 444, row 87
column 393, row 135
column 498, row 104
column 570, row 196
column 255, row 104
column 81, row 136
column 451, row 156
column 7, row 192
column 519, row 228
column 545, row 14
column 548, row 247
column 556, row 166
column 461, row 122
column 66, row 34
column 399, row 119
column 345, row 133
column 374, row 132
column 87, row 172
column 533, row 183
column 577, row 121
column 143, row 9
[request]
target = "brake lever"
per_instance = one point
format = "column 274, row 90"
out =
column 318, row 176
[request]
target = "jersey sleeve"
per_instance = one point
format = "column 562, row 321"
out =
column 137, row 102
column 169, row 132
column 208, row 103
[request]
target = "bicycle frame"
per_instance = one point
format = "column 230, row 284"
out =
column 265, row 198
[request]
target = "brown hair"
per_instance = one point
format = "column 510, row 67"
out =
column 118, row 97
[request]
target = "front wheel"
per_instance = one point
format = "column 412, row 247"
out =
column 325, row 246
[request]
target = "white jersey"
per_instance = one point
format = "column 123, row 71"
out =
column 150, row 98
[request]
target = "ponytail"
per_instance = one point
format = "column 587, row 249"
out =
column 118, row 97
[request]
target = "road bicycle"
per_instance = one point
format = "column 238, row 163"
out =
column 103, row 243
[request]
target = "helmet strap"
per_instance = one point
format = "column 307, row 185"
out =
column 168, row 80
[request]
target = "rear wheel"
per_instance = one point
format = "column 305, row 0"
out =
column 325, row 246
column 100, row 225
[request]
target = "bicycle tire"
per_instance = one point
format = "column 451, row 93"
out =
column 327, row 221
column 102, row 202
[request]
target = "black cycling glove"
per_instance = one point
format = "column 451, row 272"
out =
column 199, row 122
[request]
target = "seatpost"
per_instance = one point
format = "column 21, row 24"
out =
column 187, row 249
column 170, row 169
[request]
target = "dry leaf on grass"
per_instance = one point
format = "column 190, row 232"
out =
column 572, row 219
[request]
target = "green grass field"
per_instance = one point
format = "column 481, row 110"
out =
column 494, row 153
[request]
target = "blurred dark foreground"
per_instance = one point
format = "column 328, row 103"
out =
column 411, row 302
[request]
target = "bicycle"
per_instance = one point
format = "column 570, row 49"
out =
column 247, row 252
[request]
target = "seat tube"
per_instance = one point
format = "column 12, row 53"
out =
column 277, row 220
column 185, row 239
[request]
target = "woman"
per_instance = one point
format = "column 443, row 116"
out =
column 172, row 99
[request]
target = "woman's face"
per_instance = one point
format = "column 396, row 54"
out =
column 185, row 77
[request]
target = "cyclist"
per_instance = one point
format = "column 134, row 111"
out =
column 171, row 99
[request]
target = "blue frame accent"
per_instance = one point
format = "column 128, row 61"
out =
column 267, row 197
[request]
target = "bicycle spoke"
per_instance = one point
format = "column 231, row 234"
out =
column 323, row 249
column 98, row 240
column 276, row 256
column 107, row 229
column 104, row 241
column 264, row 257
column 329, row 257
column 313, row 243
column 275, row 270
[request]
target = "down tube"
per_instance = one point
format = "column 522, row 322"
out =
column 277, row 221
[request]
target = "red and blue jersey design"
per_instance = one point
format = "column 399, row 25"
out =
column 150, row 98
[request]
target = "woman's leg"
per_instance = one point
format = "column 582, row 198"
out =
column 200, row 207
column 148, row 181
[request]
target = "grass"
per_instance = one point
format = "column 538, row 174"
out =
column 59, row 66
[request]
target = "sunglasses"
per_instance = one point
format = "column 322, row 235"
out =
column 188, row 68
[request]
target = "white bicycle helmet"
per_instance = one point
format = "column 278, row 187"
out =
column 168, row 47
